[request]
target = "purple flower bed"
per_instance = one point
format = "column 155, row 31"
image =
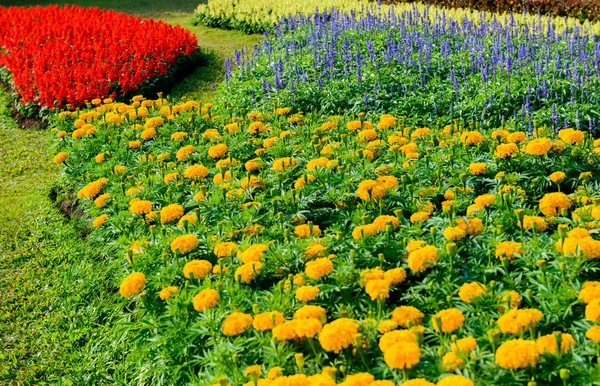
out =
column 424, row 65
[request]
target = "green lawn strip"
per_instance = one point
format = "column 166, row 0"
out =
column 60, row 298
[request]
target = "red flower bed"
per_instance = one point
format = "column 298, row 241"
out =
column 69, row 55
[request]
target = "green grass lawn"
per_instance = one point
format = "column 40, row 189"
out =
column 59, row 293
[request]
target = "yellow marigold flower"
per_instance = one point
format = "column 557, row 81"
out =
column 471, row 137
column 370, row 190
column 248, row 272
column 589, row 291
column 509, row 250
column 236, row 324
column 184, row 244
column 147, row 134
column 179, row 135
column 60, row 157
column 253, row 165
column 485, row 200
column 318, row 268
column 197, row 268
column 167, row 292
column 253, row 370
column 225, row 249
column 218, row 151
column 419, row 217
column 132, row 284
column 364, row 230
column 338, row 335
column 395, row 275
column 101, row 200
column 387, row 326
column 402, row 355
column 529, row 221
column 257, row 127
column 315, row 250
column 99, row 158
column 449, row 320
column 153, row 122
column 307, row 293
column 506, row 150
column 134, row 144
column 516, row 137
column 369, row 274
column 310, row 311
column 593, row 334
column 472, row 226
column 548, row 344
column 191, row 218
column 315, row 163
column 571, row 136
column 254, row 182
column 252, row 253
column 502, row 134
column 170, row 213
column 389, row 339
column 308, row 328
column 359, row 379
column 100, row 220
column 367, row 135
column 419, row 382
column 478, row 168
column 210, row 134
column 586, row 247
column 451, row 361
column 510, row 296
column 517, row 320
column 184, row 152
column 92, row 189
column 195, row 171
column 267, row 320
column 423, row 258
column 378, row 289
column 592, row 310
column 469, row 291
column 404, row 315
column 302, row 181
column 285, row 331
column 464, row 345
column 454, row 233
column 280, row 164
column 275, row 372
column 303, row 230
column 140, row 207
column 454, row 380
column 539, row 146
column 517, row 354
column 552, row 203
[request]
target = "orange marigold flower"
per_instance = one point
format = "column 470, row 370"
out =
column 338, row 335
column 267, row 320
column 218, row 151
column 236, row 324
column 167, row 292
column 509, row 250
column 517, row 354
column 197, row 268
column 552, row 203
column 318, row 268
column 205, row 299
column 405, row 315
column 184, row 244
column 423, row 258
column 448, row 320
column 469, row 291
column 132, row 284
column 171, row 213
column 402, row 355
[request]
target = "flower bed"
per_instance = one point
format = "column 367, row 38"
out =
column 425, row 64
column 262, row 15
column 60, row 56
column 579, row 9
column 314, row 250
